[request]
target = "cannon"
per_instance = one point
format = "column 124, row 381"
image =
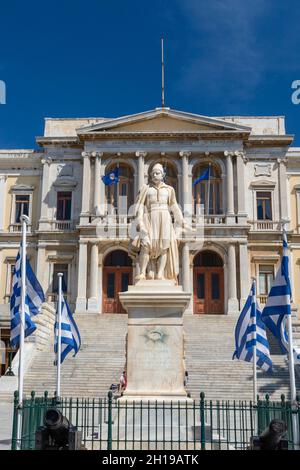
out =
column 57, row 433
column 271, row 438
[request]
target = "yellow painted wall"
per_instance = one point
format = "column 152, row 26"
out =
column 296, row 276
column 28, row 181
column 293, row 181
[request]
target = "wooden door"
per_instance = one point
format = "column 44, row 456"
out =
column 115, row 280
column 208, row 290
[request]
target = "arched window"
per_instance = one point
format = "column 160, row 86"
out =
column 208, row 259
column 114, row 192
column 212, row 203
column 117, row 258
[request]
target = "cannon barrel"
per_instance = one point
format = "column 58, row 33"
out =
column 272, row 435
column 58, row 426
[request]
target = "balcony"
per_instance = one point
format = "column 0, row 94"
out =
column 63, row 225
column 265, row 225
column 18, row 228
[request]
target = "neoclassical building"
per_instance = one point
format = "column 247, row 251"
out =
column 79, row 226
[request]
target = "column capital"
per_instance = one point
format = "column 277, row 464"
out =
column 282, row 160
column 86, row 154
column 185, row 153
column 241, row 153
column 228, row 153
column 97, row 154
column 140, row 153
column 46, row 160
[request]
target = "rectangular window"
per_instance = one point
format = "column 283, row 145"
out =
column 215, row 286
column 264, row 206
column 60, row 268
column 110, row 291
column 22, row 206
column 64, row 204
column 124, row 282
column 201, row 286
column 266, row 276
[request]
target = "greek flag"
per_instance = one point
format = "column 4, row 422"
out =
column 33, row 301
column 250, row 331
column 70, row 337
column 278, row 304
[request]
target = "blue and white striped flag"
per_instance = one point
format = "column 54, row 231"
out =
column 278, row 305
column 250, row 331
column 70, row 337
column 33, row 301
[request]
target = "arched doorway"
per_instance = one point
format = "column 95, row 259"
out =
column 208, row 275
column 117, row 275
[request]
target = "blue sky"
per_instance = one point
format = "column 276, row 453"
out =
column 102, row 58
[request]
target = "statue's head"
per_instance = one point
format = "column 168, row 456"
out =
column 157, row 173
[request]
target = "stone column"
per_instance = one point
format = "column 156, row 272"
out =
column 41, row 267
column 241, row 193
column 232, row 295
column 44, row 219
column 186, row 184
column 86, row 181
column 3, row 179
column 244, row 273
column 283, row 192
column 93, row 298
column 82, row 278
column 230, row 198
column 185, row 271
column 141, row 168
column 97, row 181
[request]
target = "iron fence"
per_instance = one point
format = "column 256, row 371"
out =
column 109, row 424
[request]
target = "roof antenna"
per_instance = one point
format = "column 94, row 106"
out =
column 162, row 74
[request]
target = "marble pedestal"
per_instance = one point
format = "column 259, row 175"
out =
column 155, row 350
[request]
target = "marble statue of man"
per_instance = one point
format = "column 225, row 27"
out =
column 155, row 240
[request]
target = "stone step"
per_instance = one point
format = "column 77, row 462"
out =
column 209, row 345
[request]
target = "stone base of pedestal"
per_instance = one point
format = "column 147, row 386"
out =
column 155, row 350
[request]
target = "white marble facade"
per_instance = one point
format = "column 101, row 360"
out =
column 248, row 154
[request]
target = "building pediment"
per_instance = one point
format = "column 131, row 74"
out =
column 163, row 120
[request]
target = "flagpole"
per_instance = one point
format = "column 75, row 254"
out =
column 58, row 357
column 254, row 347
column 162, row 74
column 208, row 190
column 293, row 391
column 25, row 222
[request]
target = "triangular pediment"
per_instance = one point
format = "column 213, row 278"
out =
column 163, row 120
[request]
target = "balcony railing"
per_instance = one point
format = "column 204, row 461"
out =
column 63, row 225
column 262, row 299
column 211, row 219
column 264, row 225
column 18, row 227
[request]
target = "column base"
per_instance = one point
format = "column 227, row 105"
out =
column 84, row 219
column 80, row 305
column 242, row 219
column 92, row 305
column 233, row 307
column 230, row 219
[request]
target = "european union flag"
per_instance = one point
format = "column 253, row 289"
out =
column 112, row 177
column 204, row 176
